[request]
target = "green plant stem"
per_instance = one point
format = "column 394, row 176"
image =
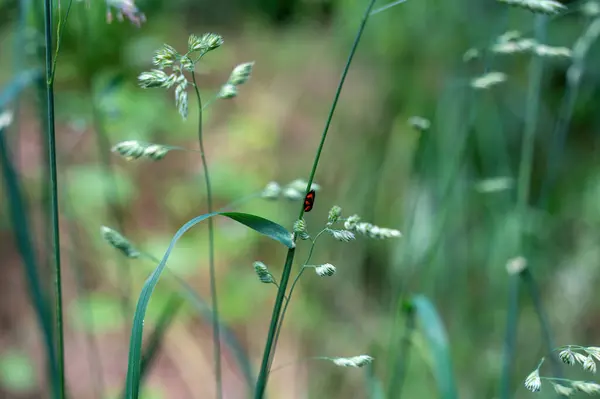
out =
column 524, row 182
column 54, row 196
column 543, row 319
column 211, row 250
column 59, row 33
column 289, row 296
column 287, row 268
column 510, row 338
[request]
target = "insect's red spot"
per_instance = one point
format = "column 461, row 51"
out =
column 309, row 201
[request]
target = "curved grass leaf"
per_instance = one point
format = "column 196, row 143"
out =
column 437, row 341
column 261, row 225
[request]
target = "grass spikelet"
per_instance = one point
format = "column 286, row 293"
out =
column 356, row 361
column 537, row 6
column 488, row 80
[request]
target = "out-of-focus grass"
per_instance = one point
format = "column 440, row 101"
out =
column 374, row 165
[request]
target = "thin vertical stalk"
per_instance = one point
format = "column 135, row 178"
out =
column 17, row 210
column 524, row 182
column 54, row 195
column 510, row 337
column 287, row 268
column 211, row 251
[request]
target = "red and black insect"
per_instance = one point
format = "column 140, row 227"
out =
column 309, row 201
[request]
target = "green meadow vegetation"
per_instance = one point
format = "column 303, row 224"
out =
column 326, row 199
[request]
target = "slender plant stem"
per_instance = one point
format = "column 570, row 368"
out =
column 524, row 182
column 54, row 196
column 510, row 338
column 287, row 268
column 289, row 296
column 211, row 251
column 59, row 32
column 567, row 106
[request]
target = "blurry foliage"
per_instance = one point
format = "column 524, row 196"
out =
column 410, row 63
column 17, row 372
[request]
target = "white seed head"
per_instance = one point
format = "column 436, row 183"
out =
column 537, row 6
column 356, row 361
column 300, row 185
column 115, row 239
column 580, row 358
column 181, row 99
column 563, row 390
column 543, row 50
column 228, row 91
column 155, row 152
column 509, row 36
column 513, row 46
column 567, row 356
column 589, row 364
column 591, row 388
column 241, row 74
column 271, row 191
column 325, row 270
column 342, row 235
column 153, row 78
column 263, row 273
column 351, row 222
column 594, row 351
column 533, row 382
column 292, row 194
column 165, row 57
column 133, row 149
column 334, row 214
column 470, row 55
column 419, row 123
column 516, row 265
column 488, row 80
column 300, row 229
column 205, row 43
column 590, row 9
column 6, row 119
column 186, row 63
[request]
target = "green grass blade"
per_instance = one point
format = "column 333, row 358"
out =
column 24, row 239
column 261, row 225
column 437, row 341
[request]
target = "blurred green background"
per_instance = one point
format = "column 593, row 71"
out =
column 451, row 190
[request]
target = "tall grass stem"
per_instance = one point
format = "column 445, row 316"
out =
column 287, row 268
column 54, row 196
column 211, row 251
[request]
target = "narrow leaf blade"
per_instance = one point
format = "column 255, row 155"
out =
column 437, row 341
column 261, row 225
